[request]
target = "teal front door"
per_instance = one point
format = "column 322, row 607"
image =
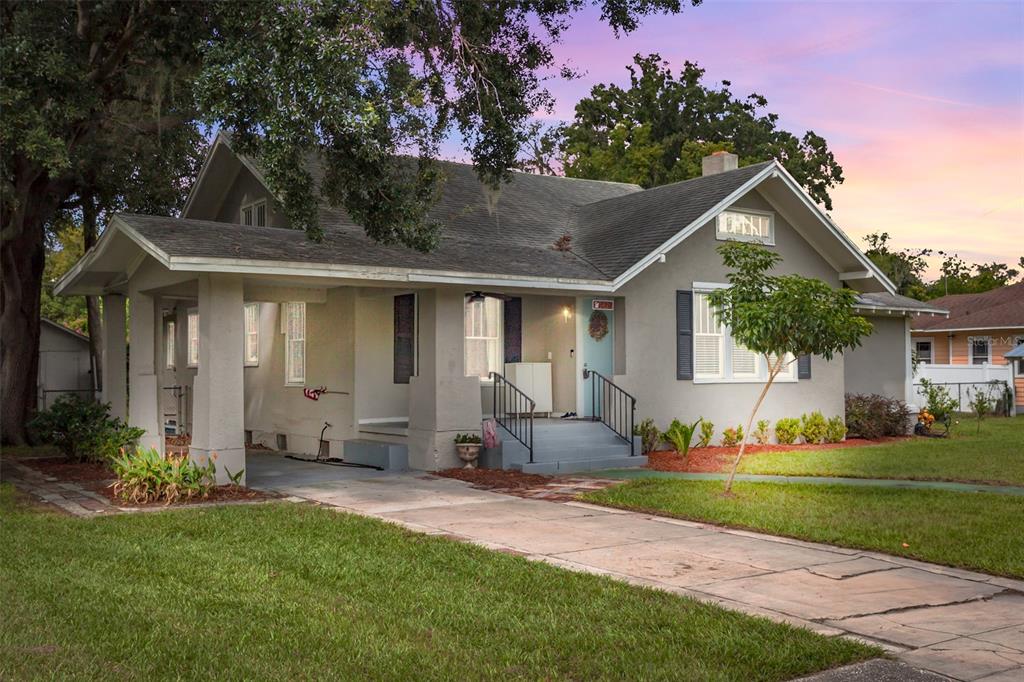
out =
column 598, row 347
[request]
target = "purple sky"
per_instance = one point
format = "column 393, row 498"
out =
column 922, row 103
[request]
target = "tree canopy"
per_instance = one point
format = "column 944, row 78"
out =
column 104, row 105
column 907, row 267
column 657, row 129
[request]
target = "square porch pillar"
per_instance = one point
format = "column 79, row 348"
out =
column 218, row 423
column 115, row 356
column 144, row 397
column 443, row 401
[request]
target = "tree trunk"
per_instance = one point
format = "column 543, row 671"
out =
column 92, row 303
column 22, row 256
column 773, row 371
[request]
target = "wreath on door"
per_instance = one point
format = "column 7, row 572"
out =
column 598, row 325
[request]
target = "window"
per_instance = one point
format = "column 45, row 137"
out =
column 252, row 334
column 980, row 349
column 254, row 214
column 484, row 349
column 746, row 226
column 295, row 343
column 193, row 338
column 923, row 352
column 169, row 346
column 717, row 357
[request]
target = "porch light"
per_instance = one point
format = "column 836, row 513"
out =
column 566, row 313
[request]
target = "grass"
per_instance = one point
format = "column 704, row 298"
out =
column 994, row 456
column 285, row 591
column 979, row 531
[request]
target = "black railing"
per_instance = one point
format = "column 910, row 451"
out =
column 612, row 406
column 513, row 410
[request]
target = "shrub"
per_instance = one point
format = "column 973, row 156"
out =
column 649, row 434
column 787, row 430
column 731, row 437
column 763, row 431
column 835, row 430
column 83, row 430
column 983, row 401
column 467, row 439
column 812, row 427
column 938, row 401
column 148, row 476
column 680, row 435
column 707, row 432
column 874, row 416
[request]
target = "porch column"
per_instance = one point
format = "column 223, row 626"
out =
column 115, row 378
column 218, row 407
column 442, row 400
column 143, row 400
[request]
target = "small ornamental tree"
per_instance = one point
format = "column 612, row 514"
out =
column 781, row 315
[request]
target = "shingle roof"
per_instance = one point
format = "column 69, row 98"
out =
column 1003, row 307
column 184, row 238
column 889, row 301
column 616, row 233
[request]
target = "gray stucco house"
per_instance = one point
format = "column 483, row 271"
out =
column 233, row 315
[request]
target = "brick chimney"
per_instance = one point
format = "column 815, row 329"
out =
column 719, row 162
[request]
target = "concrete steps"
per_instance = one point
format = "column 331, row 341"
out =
column 563, row 447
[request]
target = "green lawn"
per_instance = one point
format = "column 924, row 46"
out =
column 285, row 591
column 980, row 531
column 995, row 456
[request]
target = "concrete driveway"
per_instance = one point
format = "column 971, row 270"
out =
column 967, row 626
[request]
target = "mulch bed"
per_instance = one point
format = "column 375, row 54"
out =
column 491, row 479
column 715, row 458
column 220, row 493
column 64, row 470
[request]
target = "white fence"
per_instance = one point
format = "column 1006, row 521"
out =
column 962, row 380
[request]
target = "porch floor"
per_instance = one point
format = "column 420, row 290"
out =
column 271, row 470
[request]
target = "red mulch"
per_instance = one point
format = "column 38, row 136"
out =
column 490, row 479
column 715, row 458
column 220, row 493
column 64, row 470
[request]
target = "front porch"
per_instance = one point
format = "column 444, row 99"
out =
column 231, row 360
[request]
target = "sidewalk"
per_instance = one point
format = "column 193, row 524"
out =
column 965, row 625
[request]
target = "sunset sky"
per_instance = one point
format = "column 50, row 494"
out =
column 922, row 103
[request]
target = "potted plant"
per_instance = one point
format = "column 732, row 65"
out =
column 468, row 445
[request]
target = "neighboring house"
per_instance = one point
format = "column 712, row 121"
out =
column 981, row 328
column 65, row 365
column 1016, row 359
column 980, row 331
column 242, row 313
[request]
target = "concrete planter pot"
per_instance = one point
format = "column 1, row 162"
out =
column 468, row 453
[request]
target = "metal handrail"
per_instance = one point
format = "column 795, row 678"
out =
column 612, row 406
column 510, row 405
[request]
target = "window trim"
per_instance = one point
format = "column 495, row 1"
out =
column 288, row 340
column 170, row 344
column 248, row 361
column 970, row 349
column 500, row 340
column 725, row 236
column 726, row 375
column 253, row 206
column 193, row 313
column 930, row 340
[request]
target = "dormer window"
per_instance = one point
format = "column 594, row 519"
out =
column 746, row 226
column 254, row 214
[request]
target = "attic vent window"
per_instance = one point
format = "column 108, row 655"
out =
column 746, row 226
column 254, row 214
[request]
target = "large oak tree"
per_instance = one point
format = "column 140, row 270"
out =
column 657, row 130
column 96, row 94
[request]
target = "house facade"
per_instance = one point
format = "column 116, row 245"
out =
column 592, row 294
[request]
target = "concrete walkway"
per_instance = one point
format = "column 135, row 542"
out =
column 964, row 625
column 818, row 480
